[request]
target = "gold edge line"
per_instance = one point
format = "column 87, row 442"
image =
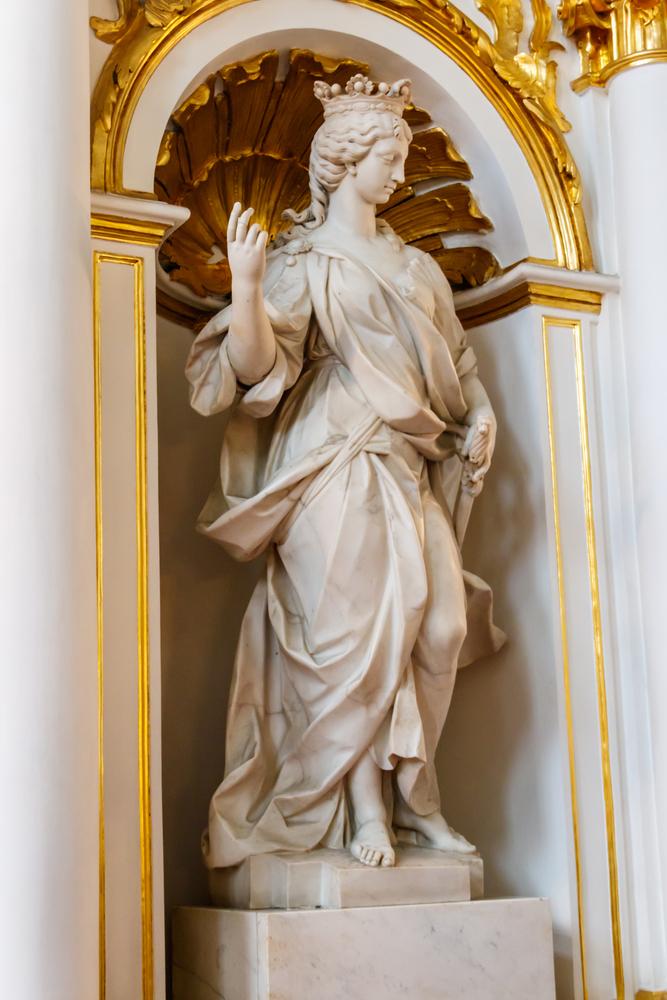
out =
column 564, row 643
column 143, row 633
column 651, row 995
column 599, row 665
column 99, row 570
column 643, row 58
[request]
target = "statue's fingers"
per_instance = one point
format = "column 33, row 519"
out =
column 242, row 227
column 233, row 219
column 262, row 239
column 253, row 232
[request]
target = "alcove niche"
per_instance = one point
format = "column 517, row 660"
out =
column 501, row 762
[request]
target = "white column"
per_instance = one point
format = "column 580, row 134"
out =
column 638, row 99
column 48, row 700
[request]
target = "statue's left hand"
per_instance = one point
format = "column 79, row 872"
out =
column 477, row 448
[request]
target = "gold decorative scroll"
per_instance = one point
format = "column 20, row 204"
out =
column 614, row 34
column 520, row 86
column 244, row 135
column 156, row 14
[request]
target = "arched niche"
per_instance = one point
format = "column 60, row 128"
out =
column 138, row 89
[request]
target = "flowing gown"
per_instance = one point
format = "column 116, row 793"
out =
column 341, row 465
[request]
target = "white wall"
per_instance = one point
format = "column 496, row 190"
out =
column 203, row 596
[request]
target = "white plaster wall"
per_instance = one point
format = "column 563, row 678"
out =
column 203, row 596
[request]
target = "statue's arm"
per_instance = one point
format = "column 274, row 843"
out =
column 251, row 344
column 476, row 399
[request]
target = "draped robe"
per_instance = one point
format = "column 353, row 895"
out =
column 340, row 465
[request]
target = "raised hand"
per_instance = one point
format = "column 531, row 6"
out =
column 246, row 247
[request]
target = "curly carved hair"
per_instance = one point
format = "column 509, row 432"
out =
column 341, row 140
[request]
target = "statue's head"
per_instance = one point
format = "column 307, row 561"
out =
column 363, row 140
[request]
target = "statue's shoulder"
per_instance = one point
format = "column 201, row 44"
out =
column 288, row 246
column 391, row 236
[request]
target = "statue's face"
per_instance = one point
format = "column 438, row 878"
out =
column 377, row 176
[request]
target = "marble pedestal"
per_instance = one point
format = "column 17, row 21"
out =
column 480, row 950
column 328, row 879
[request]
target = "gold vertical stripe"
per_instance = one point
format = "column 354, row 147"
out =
column 566, row 657
column 143, row 633
column 145, row 832
column 603, row 721
column 99, row 570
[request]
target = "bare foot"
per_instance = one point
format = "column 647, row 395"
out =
column 429, row 831
column 372, row 845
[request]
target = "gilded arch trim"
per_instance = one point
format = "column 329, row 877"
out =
column 520, row 87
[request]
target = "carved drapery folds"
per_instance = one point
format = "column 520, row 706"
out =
column 245, row 135
column 614, row 34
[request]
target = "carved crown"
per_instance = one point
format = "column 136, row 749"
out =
column 362, row 94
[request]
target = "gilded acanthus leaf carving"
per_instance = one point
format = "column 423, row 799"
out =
column 531, row 74
column 160, row 13
column 507, row 19
column 157, row 13
column 112, row 31
column 244, row 135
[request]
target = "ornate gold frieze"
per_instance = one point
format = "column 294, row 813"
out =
column 244, row 135
column 612, row 35
column 519, row 84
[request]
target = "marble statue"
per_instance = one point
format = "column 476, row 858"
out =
column 358, row 436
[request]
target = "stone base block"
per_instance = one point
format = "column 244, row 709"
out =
column 484, row 950
column 330, row 879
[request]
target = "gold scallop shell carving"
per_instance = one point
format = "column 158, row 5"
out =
column 245, row 135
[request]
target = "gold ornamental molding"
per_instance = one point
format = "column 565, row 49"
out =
column 126, row 230
column 520, row 85
column 651, row 995
column 613, row 35
column 530, row 293
column 245, row 135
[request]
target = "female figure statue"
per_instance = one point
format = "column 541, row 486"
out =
column 359, row 433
